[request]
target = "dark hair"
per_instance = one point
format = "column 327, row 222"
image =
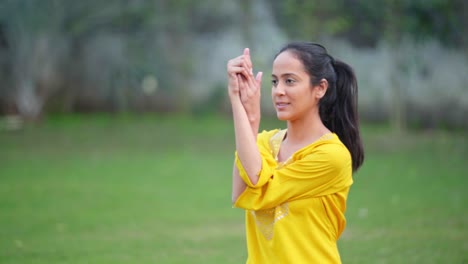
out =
column 338, row 107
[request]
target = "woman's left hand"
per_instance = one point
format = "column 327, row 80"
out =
column 249, row 88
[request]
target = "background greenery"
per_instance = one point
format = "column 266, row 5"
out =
column 116, row 142
column 410, row 56
column 156, row 189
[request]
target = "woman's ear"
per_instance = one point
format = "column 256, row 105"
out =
column 321, row 88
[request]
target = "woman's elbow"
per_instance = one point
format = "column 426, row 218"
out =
column 253, row 177
column 254, row 180
column 235, row 195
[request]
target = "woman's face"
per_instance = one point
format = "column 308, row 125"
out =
column 292, row 93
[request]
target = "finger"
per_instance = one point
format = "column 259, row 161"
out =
column 245, row 73
column 258, row 79
column 237, row 70
column 247, row 59
column 240, row 61
column 254, row 84
column 235, row 65
column 237, row 61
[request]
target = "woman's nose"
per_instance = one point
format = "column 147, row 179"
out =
column 279, row 90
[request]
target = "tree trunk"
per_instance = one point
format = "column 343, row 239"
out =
column 393, row 37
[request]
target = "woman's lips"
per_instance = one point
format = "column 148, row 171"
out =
column 281, row 106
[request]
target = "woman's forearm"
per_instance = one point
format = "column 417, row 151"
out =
column 238, row 185
column 246, row 145
column 255, row 125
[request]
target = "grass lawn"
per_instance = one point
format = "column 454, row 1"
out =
column 153, row 189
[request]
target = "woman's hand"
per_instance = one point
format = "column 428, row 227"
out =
column 245, row 85
column 235, row 68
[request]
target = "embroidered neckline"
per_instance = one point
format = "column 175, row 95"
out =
column 277, row 139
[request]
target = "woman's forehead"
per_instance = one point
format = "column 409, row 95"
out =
column 287, row 61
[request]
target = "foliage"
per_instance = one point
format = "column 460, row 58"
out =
column 92, row 56
column 366, row 22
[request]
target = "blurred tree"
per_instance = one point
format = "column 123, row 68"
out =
column 363, row 22
column 392, row 33
column 440, row 19
column 88, row 55
column 312, row 19
column 367, row 23
column 247, row 20
column 5, row 73
column 34, row 48
column 105, row 42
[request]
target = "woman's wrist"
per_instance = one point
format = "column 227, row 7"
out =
column 255, row 124
column 254, row 118
column 236, row 102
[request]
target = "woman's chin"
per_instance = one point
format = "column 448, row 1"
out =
column 281, row 116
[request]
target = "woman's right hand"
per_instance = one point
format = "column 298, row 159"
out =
column 242, row 84
column 236, row 68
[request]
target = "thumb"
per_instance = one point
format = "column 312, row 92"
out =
column 258, row 78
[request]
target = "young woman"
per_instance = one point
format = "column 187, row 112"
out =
column 293, row 183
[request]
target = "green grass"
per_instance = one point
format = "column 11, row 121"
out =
column 153, row 189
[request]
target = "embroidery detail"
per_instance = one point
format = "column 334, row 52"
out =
column 266, row 219
column 277, row 139
column 275, row 142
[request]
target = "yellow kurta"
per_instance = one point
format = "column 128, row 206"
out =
column 295, row 212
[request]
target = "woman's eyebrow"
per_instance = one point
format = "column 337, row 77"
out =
column 284, row 75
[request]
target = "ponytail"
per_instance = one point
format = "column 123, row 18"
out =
column 344, row 120
column 338, row 107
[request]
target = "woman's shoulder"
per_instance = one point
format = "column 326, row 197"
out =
column 329, row 145
column 268, row 134
column 270, row 138
column 330, row 151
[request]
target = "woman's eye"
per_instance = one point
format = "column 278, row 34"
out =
column 290, row 81
column 274, row 82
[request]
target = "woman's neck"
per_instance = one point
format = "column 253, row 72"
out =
column 306, row 130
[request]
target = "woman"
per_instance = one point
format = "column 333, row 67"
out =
column 293, row 183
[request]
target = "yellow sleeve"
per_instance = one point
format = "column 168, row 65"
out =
column 267, row 160
column 325, row 170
